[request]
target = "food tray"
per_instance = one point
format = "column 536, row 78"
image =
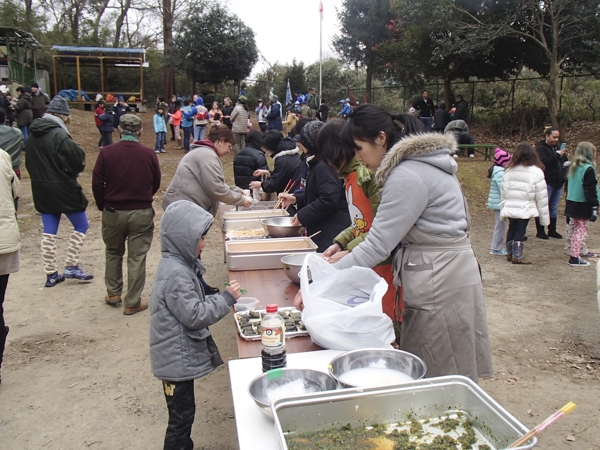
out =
column 264, row 254
column 422, row 399
column 237, row 234
column 248, row 218
column 288, row 334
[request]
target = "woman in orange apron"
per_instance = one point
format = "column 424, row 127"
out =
column 362, row 194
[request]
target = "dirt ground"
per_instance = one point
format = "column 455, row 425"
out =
column 77, row 372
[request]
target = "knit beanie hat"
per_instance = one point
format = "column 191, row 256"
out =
column 59, row 105
column 199, row 101
column 308, row 135
column 501, row 157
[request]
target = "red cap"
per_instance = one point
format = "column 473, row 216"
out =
column 272, row 308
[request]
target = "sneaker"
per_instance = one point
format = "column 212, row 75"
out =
column 156, row 151
column 590, row 255
column 471, row 156
column 455, row 156
column 576, row 261
column 498, row 252
column 76, row 273
column 54, row 279
column 163, row 151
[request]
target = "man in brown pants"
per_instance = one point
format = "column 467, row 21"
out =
column 125, row 178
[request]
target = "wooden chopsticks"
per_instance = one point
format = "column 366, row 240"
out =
column 302, row 242
column 287, row 189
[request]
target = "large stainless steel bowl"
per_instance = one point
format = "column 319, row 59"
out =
column 279, row 227
column 377, row 358
column 287, row 382
column 292, row 265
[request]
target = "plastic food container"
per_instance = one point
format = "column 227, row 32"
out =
column 246, row 304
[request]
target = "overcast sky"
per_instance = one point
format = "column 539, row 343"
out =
column 288, row 29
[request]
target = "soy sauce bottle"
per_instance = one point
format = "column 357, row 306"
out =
column 273, row 340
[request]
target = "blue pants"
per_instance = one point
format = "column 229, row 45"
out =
column 427, row 122
column 78, row 220
column 187, row 133
column 25, row 131
column 199, row 132
column 160, row 141
column 554, row 194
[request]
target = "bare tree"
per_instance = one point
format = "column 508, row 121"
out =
column 123, row 8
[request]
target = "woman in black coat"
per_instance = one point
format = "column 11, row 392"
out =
column 553, row 160
column 322, row 205
column 250, row 159
column 287, row 166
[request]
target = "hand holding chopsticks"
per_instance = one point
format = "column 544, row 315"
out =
column 287, row 189
column 545, row 424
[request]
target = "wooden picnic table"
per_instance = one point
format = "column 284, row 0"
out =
column 269, row 286
column 487, row 150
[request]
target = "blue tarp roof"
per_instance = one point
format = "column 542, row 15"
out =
column 62, row 48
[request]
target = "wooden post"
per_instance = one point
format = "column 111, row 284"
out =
column 102, row 77
column 55, row 75
column 78, row 79
column 141, row 79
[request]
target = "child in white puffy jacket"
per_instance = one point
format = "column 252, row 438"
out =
column 524, row 195
column 496, row 172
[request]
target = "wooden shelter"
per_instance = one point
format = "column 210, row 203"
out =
column 101, row 57
column 18, row 59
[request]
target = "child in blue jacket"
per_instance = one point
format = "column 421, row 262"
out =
column 160, row 128
column 496, row 172
column 108, row 125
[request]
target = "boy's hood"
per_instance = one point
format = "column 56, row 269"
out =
column 181, row 227
column 430, row 148
column 42, row 126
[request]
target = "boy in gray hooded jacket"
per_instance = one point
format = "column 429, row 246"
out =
column 181, row 346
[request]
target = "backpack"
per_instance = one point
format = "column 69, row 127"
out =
column 201, row 115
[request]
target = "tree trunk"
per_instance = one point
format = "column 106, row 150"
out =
column 369, row 62
column 29, row 15
column 120, row 21
column 168, row 71
column 96, row 26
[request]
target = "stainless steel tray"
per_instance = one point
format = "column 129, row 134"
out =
column 428, row 398
column 288, row 334
column 264, row 254
column 248, row 219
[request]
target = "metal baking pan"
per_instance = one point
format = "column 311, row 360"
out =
column 248, row 219
column 264, row 254
column 288, row 334
column 427, row 398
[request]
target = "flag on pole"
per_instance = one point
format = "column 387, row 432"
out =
column 288, row 93
column 321, row 9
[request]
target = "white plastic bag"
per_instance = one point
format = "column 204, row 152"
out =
column 342, row 308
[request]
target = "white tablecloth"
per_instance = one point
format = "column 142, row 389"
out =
column 255, row 430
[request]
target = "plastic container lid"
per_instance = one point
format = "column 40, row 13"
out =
column 272, row 308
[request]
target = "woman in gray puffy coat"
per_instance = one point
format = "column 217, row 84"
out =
column 181, row 346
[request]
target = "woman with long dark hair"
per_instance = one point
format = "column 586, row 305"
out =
column 423, row 208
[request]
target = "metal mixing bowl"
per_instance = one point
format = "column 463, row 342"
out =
column 376, row 358
column 292, row 265
column 279, row 227
column 287, row 382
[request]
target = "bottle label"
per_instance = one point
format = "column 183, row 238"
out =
column 272, row 337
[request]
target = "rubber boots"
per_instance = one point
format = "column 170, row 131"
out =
column 509, row 249
column 541, row 233
column 517, row 255
column 552, row 229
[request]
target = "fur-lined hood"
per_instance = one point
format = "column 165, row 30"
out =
column 431, row 148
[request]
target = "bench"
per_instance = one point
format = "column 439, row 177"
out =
column 487, row 150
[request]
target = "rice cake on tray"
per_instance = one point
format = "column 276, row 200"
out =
column 246, row 233
column 248, row 323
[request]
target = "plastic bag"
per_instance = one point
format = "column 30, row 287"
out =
column 342, row 308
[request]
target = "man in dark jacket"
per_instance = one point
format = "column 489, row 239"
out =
column 248, row 160
column 323, row 112
column 426, row 110
column 125, row 179
column 24, row 111
column 120, row 109
column 441, row 118
column 274, row 116
column 38, row 101
column 462, row 109
column 286, row 163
